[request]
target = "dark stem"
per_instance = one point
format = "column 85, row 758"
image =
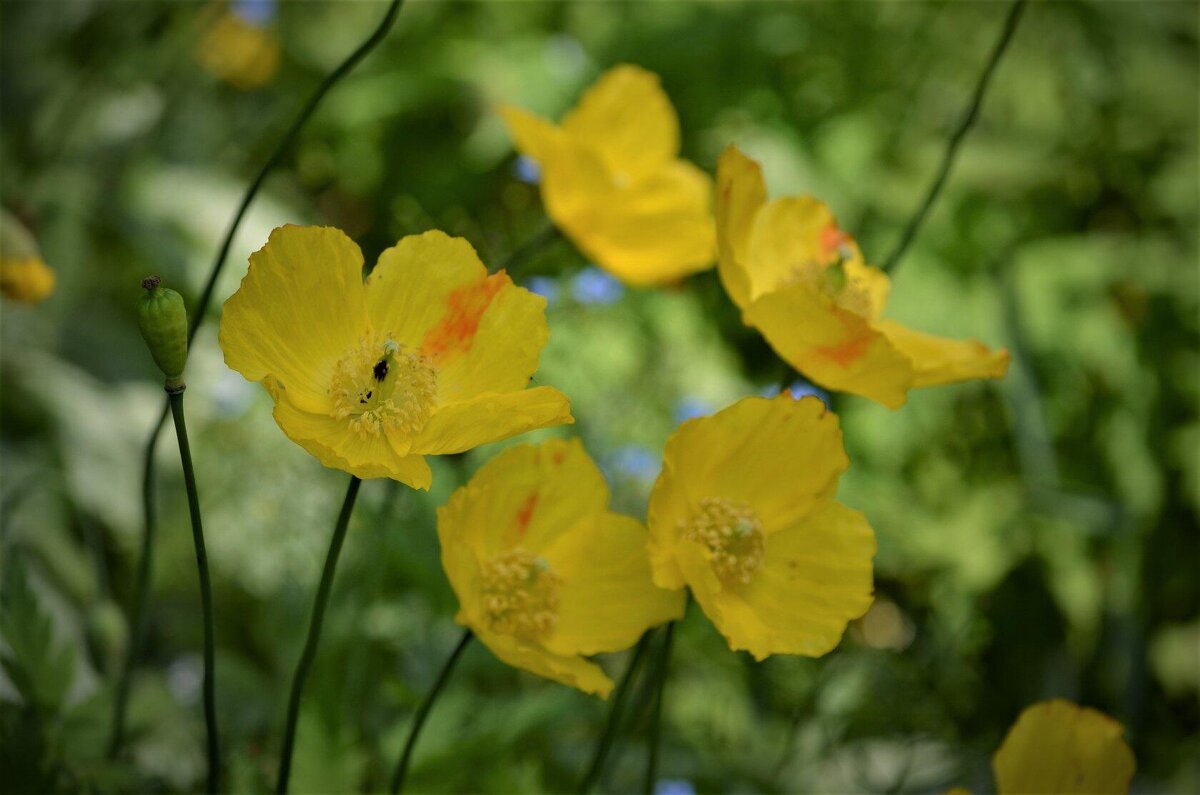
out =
column 964, row 126
column 285, row 142
column 615, row 711
column 138, row 620
column 423, row 711
column 545, row 236
column 206, row 602
column 314, row 634
column 664, row 662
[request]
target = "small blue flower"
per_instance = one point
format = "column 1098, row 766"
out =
column 527, row 170
column 691, row 407
column 674, row 786
column 544, row 286
column 635, row 461
column 594, row 286
column 254, row 12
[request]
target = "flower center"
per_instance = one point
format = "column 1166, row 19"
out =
column 731, row 533
column 520, row 594
column 831, row 280
column 381, row 385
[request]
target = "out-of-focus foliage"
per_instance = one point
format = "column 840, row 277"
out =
column 1037, row 536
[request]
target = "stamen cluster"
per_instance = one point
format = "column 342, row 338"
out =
column 733, row 536
column 520, row 594
column 382, row 386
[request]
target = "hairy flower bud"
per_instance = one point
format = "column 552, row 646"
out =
column 163, row 321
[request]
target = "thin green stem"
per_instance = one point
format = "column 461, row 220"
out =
column 664, row 662
column 615, row 711
column 545, row 236
column 423, row 711
column 964, row 126
column 314, row 634
column 142, row 588
column 138, row 620
column 206, row 603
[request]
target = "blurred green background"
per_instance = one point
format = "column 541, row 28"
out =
column 1037, row 536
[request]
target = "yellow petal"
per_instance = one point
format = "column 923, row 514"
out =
column 741, row 192
column 26, row 279
column 332, row 443
column 532, row 135
column 571, row 670
column 789, row 231
column 653, row 230
column 457, row 427
column 940, row 360
column 299, row 309
column 831, row 346
column 489, row 339
column 627, row 117
column 815, row 577
column 607, row 599
column 1059, row 747
column 426, row 280
column 779, row 456
column 527, row 495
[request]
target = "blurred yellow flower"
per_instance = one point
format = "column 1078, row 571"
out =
column 1062, row 748
column 613, row 181
column 803, row 283
column 543, row 571
column 430, row 356
column 243, row 52
column 24, row 276
column 743, row 514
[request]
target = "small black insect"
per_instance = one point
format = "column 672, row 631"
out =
column 366, row 399
column 380, row 370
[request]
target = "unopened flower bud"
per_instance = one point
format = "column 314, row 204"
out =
column 162, row 318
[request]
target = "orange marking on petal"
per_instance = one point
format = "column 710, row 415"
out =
column 559, row 455
column 455, row 332
column 846, row 353
column 525, row 514
column 831, row 238
column 849, row 350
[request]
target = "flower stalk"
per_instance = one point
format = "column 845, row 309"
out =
column 424, row 709
column 314, row 634
column 615, row 712
column 206, row 602
column 664, row 662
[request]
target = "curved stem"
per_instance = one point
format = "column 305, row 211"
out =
column 664, row 661
column 545, row 236
column 141, row 590
column 206, row 603
column 614, row 716
column 314, row 634
column 964, row 126
column 423, row 711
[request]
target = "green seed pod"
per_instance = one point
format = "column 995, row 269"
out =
column 163, row 320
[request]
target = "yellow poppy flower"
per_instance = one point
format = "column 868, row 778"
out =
column 803, row 283
column 613, row 182
column 743, row 514
column 543, row 571
column 430, row 356
column 24, row 276
column 241, row 52
column 1060, row 747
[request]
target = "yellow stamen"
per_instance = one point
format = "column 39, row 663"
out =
column 381, row 385
column 520, row 594
column 732, row 534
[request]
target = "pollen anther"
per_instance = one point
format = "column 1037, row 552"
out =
column 520, row 594
column 732, row 536
column 380, row 385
